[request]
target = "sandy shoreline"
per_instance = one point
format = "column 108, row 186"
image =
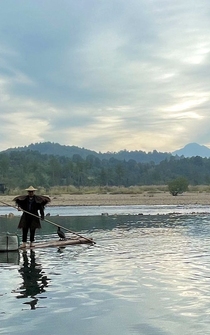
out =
column 161, row 198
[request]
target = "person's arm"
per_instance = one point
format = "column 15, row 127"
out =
column 19, row 208
column 42, row 212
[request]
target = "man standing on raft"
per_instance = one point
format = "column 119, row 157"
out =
column 30, row 205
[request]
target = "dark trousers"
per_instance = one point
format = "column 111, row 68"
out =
column 25, row 233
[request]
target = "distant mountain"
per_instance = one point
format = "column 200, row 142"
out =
column 193, row 149
column 56, row 149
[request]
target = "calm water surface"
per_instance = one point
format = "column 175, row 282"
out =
column 146, row 275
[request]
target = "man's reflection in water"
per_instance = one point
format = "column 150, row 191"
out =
column 34, row 279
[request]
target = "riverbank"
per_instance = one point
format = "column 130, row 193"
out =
column 145, row 198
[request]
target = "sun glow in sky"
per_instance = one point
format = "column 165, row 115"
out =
column 105, row 76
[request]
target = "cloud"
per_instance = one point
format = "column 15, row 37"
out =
column 105, row 75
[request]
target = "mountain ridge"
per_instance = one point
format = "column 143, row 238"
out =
column 193, row 149
column 56, row 149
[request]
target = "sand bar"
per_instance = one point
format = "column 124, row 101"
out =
column 146, row 198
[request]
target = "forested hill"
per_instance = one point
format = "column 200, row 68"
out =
column 22, row 168
column 56, row 149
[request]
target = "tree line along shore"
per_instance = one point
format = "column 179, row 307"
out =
column 18, row 168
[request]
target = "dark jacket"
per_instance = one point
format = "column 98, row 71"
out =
column 32, row 205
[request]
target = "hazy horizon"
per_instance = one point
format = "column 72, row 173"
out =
column 188, row 144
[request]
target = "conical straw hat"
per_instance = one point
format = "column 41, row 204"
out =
column 31, row 188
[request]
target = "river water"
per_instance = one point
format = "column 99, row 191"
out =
column 147, row 275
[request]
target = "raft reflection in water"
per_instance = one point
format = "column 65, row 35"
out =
column 10, row 257
column 34, row 279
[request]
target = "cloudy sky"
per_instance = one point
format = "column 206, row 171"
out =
column 105, row 75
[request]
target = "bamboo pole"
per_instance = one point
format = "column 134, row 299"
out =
column 51, row 222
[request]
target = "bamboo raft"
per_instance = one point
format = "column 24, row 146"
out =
column 59, row 243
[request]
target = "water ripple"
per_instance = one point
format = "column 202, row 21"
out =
column 143, row 276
